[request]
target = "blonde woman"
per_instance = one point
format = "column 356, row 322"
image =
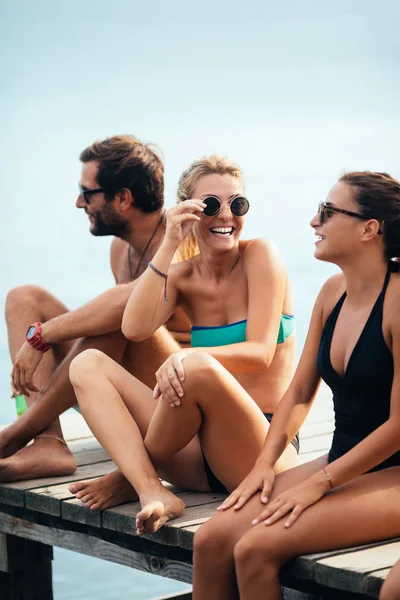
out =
column 204, row 424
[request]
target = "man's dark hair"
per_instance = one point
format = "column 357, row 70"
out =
column 124, row 162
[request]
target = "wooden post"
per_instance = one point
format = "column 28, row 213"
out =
column 25, row 569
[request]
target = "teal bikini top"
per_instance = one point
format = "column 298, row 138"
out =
column 222, row 335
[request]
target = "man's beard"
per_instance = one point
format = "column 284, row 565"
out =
column 106, row 222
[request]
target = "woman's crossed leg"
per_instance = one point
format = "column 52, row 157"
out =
column 121, row 411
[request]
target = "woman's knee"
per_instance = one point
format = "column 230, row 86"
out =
column 87, row 362
column 200, row 367
column 253, row 560
column 213, row 542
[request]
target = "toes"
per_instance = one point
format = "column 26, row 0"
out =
column 77, row 487
column 86, row 498
column 90, row 502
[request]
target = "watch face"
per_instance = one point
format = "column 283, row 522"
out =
column 31, row 332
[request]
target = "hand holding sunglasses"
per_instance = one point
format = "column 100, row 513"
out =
column 180, row 220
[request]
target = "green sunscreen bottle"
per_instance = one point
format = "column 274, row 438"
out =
column 20, row 404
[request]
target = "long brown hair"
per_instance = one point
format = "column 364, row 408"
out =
column 378, row 196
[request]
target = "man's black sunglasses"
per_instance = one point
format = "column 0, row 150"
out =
column 87, row 194
column 327, row 209
column 238, row 206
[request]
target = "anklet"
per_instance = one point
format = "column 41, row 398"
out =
column 161, row 274
column 52, row 437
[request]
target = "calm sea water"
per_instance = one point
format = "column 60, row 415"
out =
column 296, row 93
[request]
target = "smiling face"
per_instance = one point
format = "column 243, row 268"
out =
column 222, row 231
column 340, row 234
column 104, row 219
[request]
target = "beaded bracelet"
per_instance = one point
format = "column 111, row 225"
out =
column 163, row 275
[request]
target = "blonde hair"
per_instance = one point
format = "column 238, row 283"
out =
column 207, row 165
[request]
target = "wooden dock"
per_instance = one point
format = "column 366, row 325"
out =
column 38, row 514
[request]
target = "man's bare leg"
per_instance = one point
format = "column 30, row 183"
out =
column 46, row 456
column 141, row 360
column 25, row 305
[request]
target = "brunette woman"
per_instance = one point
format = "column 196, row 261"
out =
column 351, row 495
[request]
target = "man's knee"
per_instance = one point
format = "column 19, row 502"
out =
column 24, row 296
column 87, row 362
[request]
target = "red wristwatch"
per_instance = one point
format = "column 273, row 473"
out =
column 34, row 337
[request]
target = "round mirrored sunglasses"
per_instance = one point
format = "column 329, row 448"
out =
column 238, row 206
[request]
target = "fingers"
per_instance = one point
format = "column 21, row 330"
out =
column 187, row 217
column 266, row 492
column 166, row 389
column 178, row 366
column 230, row 500
column 239, row 497
column 296, row 512
column 187, row 205
column 278, row 514
column 278, row 509
column 156, row 392
column 246, row 494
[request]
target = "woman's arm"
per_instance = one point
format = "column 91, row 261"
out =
column 382, row 443
column 291, row 412
column 147, row 309
column 267, row 279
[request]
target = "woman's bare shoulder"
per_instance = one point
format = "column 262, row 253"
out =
column 181, row 270
column 261, row 248
column 331, row 291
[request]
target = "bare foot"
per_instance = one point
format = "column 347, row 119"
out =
column 157, row 509
column 107, row 491
column 44, row 458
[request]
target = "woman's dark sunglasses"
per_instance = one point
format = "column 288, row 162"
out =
column 87, row 194
column 238, row 206
column 326, row 210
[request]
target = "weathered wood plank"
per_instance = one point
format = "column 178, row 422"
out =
column 304, row 458
column 14, row 493
column 74, row 510
column 309, row 429
column 48, row 499
column 347, row 571
column 315, row 443
column 199, row 506
column 86, row 544
column 91, row 457
column 85, row 444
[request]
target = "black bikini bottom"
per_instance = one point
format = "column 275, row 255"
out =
column 216, row 486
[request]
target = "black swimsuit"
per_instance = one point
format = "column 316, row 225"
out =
column 361, row 398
